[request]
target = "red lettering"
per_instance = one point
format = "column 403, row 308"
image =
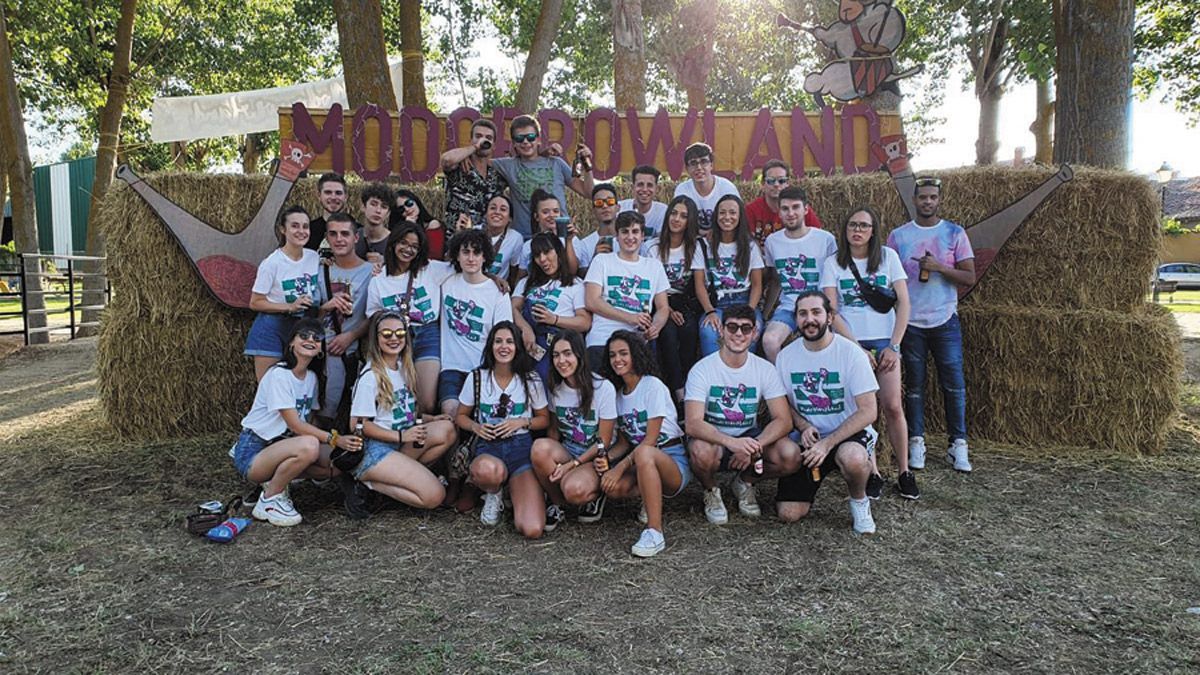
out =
column 550, row 118
column 849, row 113
column 453, row 121
column 764, row 132
column 612, row 163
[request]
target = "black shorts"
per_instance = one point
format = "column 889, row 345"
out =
column 802, row 487
column 727, row 454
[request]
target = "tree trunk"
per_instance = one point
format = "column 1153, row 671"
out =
column 691, row 66
column 364, row 55
column 1094, row 77
column 986, row 143
column 538, row 60
column 412, row 51
column 1043, row 124
column 14, row 152
column 179, row 150
column 251, row 152
column 106, row 162
column 629, row 55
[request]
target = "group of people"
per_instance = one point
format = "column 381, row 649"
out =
column 675, row 341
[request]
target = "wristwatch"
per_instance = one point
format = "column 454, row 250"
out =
column 894, row 347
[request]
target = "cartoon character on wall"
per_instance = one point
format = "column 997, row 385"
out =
column 864, row 38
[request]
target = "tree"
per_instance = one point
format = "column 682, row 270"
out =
column 412, row 53
column 538, row 60
column 364, row 55
column 629, row 55
column 689, row 56
column 1167, row 44
column 1094, row 78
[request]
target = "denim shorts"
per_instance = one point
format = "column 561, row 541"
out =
column 678, row 453
column 573, row 449
column 249, row 444
column 785, row 314
column 373, row 453
column 513, row 451
column 450, row 384
column 427, row 343
column 268, row 335
column 875, row 346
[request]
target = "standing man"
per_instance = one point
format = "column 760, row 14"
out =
column 725, row 392
column 763, row 212
column 331, row 193
column 832, row 391
column 645, row 189
column 795, row 257
column 377, row 200
column 937, row 255
column 471, row 179
column 704, row 187
column 530, row 171
column 345, row 280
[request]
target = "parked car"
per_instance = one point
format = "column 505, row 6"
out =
column 1185, row 275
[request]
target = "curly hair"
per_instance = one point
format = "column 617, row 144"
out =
column 472, row 240
column 643, row 360
column 392, row 261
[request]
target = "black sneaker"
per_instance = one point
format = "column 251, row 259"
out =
column 908, row 486
column 251, row 498
column 592, row 511
column 354, row 497
column 875, row 486
column 554, row 517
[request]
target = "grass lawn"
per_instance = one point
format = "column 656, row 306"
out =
column 1042, row 560
column 1179, row 301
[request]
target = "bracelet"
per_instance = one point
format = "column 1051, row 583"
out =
column 332, row 438
column 711, row 311
column 400, row 437
column 575, row 464
column 555, row 319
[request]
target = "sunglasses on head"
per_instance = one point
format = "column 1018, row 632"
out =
column 601, row 202
column 389, row 333
column 525, row 138
column 929, row 181
column 739, row 327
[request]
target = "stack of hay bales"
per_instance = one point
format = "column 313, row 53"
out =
column 1061, row 348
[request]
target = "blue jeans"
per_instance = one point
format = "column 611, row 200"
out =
column 710, row 339
column 945, row 341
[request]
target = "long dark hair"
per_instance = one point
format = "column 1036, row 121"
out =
column 643, row 361
column 397, row 215
column 874, row 252
column 392, row 261
column 539, row 196
column 741, row 236
column 541, row 243
column 317, row 365
column 584, row 385
column 690, row 233
column 523, row 365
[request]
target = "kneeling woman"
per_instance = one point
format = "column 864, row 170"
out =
column 584, row 409
column 400, row 446
column 649, row 424
column 511, row 403
column 277, row 443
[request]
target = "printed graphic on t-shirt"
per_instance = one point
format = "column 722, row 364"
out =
column 798, row 273
column 675, row 271
column 305, row 284
column 575, row 427
column 304, row 406
column 465, row 318
column 631, row 294
column 724, row 273
column 530, row 179
column 731, row 407
column 499, row 264
column 543, row 295
column 851, row 296
column 495, row 413
column 404, row 409
column 420, row 310
column 705, row 216
column 633, row 424
column 819, row 392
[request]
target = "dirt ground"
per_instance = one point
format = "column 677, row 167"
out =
column 1039, row 561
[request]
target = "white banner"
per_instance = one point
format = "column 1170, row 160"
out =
column 185, row 118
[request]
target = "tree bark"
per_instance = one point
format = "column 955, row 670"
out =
column 629, row 55
column 690, row 66
column 989, row 60
column 986, row 142
column 1094, row 76
column 1043, row 124
column 549, row 19
column 14, row 152
column 179, row 154
column 364, row 55
column 412, row 51
column 251, row 152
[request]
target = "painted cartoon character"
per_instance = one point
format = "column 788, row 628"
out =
column 813, row 385
column 791, row 272
column 730, row 398
column 629, row 422
column 459, row 311
column 629, row 284
column 573, row 421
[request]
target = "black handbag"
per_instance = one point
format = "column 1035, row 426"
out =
column 880, row 299
column 459, row 462
column 708, row 278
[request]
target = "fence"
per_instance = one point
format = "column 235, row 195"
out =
column 55, row 276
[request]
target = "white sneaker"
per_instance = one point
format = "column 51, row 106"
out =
column 746, row 498
column 642, row 517
column 650, row 544
column 277, row 510
column 916, row 453
column 860, row 509
column 493, row 506
column 957, row 455
column 714, row 507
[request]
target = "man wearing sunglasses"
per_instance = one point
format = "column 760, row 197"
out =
column 529, row 170
column 604, row 210
column 645, row 189
column 725, row 392
column 763, row 213
column 471, row 178
column 937, row 254
column 703, row 186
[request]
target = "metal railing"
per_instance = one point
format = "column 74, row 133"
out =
column 58, row 276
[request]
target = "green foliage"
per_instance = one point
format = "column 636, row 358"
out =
column 1173, row 228
column 1167, row 53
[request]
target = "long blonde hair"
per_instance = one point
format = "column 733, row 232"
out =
column 378, row 364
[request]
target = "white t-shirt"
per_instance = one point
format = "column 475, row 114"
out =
column 282, row 279
column 731, row 396
column 526, row 257
column 706, row 205
column 280, row 390
column 650, row 399
column 629, row 286
column 562, row 300
column 468, row 313
column 798, row 262
column 822, row 385
column 497, row 404
column 722, row 268
column 387, row 293
column 508, row 252
column 679, row 274
column 865, row 323
column 578, row 427
column 654, row 218
column 400, row 414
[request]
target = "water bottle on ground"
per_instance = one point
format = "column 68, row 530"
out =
column 226, row 531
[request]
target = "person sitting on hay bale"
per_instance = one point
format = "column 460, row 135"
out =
column 409, row 208
column 938, row 255
column 832, row 391
column 344, row 280
column 377, row 201
column 277, row 443
column 703, row 186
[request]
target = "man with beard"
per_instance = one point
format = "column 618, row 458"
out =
column 795, row 256
column 763, row 213
column 331, row 193
column 937, row 254
column 471, row 180
column 831, row 387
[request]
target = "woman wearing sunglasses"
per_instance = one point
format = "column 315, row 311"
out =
column 878, row 333
column 583, row 407
column 679, row 254
column 410, row 209
column 512, row 402
column 549, row 300
column 400, row 445
column 732, row 267
column 277, row 443
column 649, row 424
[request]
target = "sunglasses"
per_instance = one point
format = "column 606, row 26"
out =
column 697, row 163
column 776, row 181
column 929, row 182
column 743, row 328
column 604, row 201
column 525, row 138
column 388, row 333
column 310, row 335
